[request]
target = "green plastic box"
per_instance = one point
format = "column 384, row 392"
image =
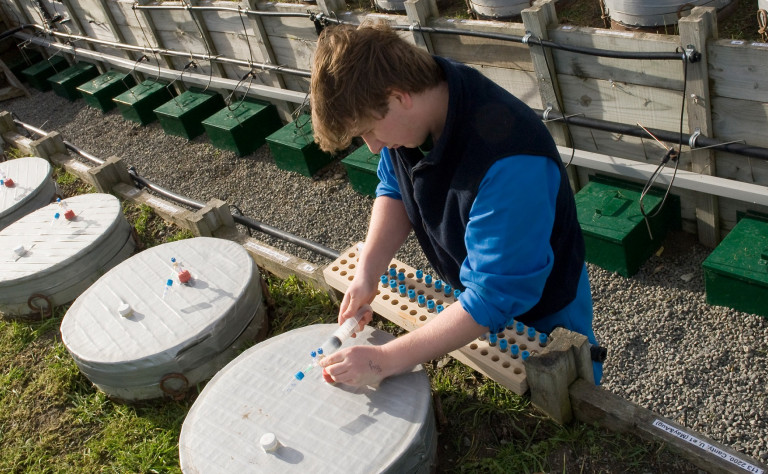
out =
column 361, row 166
column 65, row 82
column 736, row 272
column 183, row 116
column 138, row 103
column 38, row 74
column 294, row 148
column 616, row 235
column 99, row 92
column 20, row 60
column 242, row 127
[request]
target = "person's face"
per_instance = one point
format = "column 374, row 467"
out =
column 397, row 128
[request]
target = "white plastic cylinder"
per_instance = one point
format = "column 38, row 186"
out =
column 652, row 13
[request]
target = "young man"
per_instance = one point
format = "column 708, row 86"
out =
column 473, row 172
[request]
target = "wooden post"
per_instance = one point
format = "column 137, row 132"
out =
column 113, row 171
column 210, row 47
column 550, row 373
column 265, row 47
column 6, row 123
column 150, row 31
column 331, row 7
column 419, row 13
column 537, row 19
column 118, row 34
column 695, row 30
column 76, row 21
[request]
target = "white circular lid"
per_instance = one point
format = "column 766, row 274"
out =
column 160, row 326
column 50, row 243
column 29, row 174
column 321, row 427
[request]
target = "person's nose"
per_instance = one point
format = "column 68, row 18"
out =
column 374, row 145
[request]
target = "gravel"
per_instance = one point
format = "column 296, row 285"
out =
column 703, row 366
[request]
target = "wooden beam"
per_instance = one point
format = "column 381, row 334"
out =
column 594, row 405
column 199, row 19
column 419, row 13
column 150, row 33
column 695, row 30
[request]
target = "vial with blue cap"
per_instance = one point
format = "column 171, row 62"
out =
column 393, row 284
column 393, row 272
column 168, row 285
column 439, row 308
column 419, row 275
column 401, row 277
column 456, row 293
column 422, row 300
column 431, row 306
column 503, row 345
column 543, row 339
column 525, row 355
column 428, row 280
column 402, row 290
column 519, row 327
column 531, row 334
column 411, row 295
column 447, row 289
column 438, row 285
column 514, row 351
column 384, row 281
column 492, row 338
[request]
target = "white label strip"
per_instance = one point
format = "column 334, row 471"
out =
column 267, row 252
column 163, row 205
column 305, row 267
column 707, row 447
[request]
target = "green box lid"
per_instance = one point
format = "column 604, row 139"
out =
column 296, row 134
column 363, row 158
column 743, row 253
column 102, row 81
column 187, row 101
column 141, row 91
column 235, row 114
column 611, row 211
column 72, row 72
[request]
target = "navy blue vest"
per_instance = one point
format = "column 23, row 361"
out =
column 484, row 124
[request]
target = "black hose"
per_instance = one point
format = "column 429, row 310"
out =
column 13, row 31
column 672, row 137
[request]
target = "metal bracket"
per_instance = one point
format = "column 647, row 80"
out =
column 691, row 54
column 692, row 139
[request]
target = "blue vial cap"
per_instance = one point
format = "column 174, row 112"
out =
column 492, row 338
column 422, row 300
column 525, row 355
column 531, row 333
column 542, row 338
column 56, row 216
column 392, row 272
column 456, row 293
column 313, row 354
column 439, row 308
column 411, row 295
column 503, row 344
column 428, row 280
column 514, row 349
column 393, row 284
column 401, row 276
column 173, row 259
column 384, row 279
column 430, row 304
column 402, row 289
column 299, row 375
column 169, row 282
column 58, row 199
column 519, row 327
column 438, row 284
column 419, row 274
column 447, row 290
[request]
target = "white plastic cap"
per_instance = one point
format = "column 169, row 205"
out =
column 269, row 442
column 19, row 250
column 124, row 310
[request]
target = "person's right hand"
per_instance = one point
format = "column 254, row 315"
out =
column 360, row 293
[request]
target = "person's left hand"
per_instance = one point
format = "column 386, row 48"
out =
column 357, row 366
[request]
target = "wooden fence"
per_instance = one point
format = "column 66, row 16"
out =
column 724, row 95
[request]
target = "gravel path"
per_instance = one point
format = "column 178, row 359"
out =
column 703, row 366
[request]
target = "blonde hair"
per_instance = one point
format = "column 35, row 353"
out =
column 354, row 70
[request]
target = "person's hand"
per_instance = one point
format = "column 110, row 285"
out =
column 358, row 298
column 357, row 366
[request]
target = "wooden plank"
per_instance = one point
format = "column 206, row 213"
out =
column 482, row 51
column 593, row 404
column 739, row 69
column 659, row 74
column 201, row 20
column 736, row 119
column 742, row 168
column 521, row 84
column 622, row 102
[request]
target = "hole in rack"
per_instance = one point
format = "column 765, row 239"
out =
column 344, row 273
column 351, row 254
column 395, row 302
column 495, row 358
column 401, row 270
column 430, row 297
column 343, row 262
column 413, row 312
column 523, row 347
column 505, row 365
column 378, row 292
column 501, row 335
column 403, row 307
column 411, row 287
column 484, row 352
column 422, row 318
column 385, row 297
column 473, row 346
column 335, row 269
column 351, row 266
column 420, row 292
column 518, row 371
column 439, row 302
column 351, row 277
column 392, row 265
column 410, row 275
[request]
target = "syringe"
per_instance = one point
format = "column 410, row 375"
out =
column 344, row 331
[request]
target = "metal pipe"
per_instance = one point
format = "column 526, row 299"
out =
column 67, row 144
column 203, row 80
column 221, row 9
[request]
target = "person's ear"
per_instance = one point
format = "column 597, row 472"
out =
column 405, row 99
